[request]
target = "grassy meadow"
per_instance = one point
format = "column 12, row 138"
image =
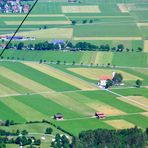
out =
column 26, row 103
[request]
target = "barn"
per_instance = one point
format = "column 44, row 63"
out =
column 100, row 115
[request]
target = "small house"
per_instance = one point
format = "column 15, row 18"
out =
column 58, row 116
column 103, row 80
column 100, row 115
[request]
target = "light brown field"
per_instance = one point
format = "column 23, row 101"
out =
column 146, row 46
column 142, row 24
column 23, row 81
column 72, row 80
column 120, row 124
column 64, row 33
column 81, row 9
column 143, row 71
column 106, row 109
column 23, row 110
column 5, row 90
column 138, row 101
column 108, row 38
column 38, row 22
column 94, row 73
column 145, row 114
column 123, row 8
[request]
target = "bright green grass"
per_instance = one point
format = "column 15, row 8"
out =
column 76, row 126
column 133, row 92
column 107, row 30
column 38, row 76
column 111, row 99
column 8, row 114
column 131, row 59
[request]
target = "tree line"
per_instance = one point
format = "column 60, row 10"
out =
column 79, row 46
column 103, row 138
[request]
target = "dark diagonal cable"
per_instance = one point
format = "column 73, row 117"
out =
column 18, row 28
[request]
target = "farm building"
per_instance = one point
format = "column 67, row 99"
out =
column 58, row 116
column 72, row 1
column 100, row 115
column 103, row 79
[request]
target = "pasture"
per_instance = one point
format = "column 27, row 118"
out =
column 45, row 90
column 111, row 22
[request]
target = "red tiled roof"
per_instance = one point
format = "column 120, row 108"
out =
column 105, row 77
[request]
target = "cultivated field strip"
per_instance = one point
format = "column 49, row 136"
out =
column 5, row 90
column 72, row 80
column 23, row 81
column 95, row 73
column 23, row 110
column 120, row 124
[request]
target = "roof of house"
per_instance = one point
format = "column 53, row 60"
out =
column 105, row 77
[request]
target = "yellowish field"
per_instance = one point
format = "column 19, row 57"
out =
column 108, row 38
column 81, row 9
column 123, row 8
column 22, row 109
column 145, row 114
column 143, row 71
column 37, row 22
column 72, row 80
column 120, row 124
column 142, row 24
column 5, row 90
column 138, row 101
column 106, row 109
column 146, row 46
column 94, row 73
column 23, row 81
column 60, row 33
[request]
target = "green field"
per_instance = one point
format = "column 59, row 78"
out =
column 110, row 22
column 76, row 105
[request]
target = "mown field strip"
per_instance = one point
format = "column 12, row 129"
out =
column 5, row 90
column 23, row 81
column 81, row 9
column 142, row 24
column 120, row 124
column 38, row 22
column 70, row 79
column 108, row 38
column 23, row 110
column 95, row 105
column 69, row 103
column 130, row 101
column 95, row 73
column 48, row 33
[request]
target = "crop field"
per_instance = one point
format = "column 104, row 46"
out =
column 33, row 92
column 112, row 22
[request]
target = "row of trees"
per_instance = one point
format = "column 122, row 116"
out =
column 70, row 46
column 126, row 138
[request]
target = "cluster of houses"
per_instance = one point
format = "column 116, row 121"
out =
column 13, row 6
column 17, row 38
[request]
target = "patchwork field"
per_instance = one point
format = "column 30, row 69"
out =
column 111, row 22
column 45, row 90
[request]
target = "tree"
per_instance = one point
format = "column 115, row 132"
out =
column 117, row 79
column 84, row 21
column 138, row 83
column 49, row 130
column 73, row 22
column 20, row 46
column 109, row 83
column 24, row 132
